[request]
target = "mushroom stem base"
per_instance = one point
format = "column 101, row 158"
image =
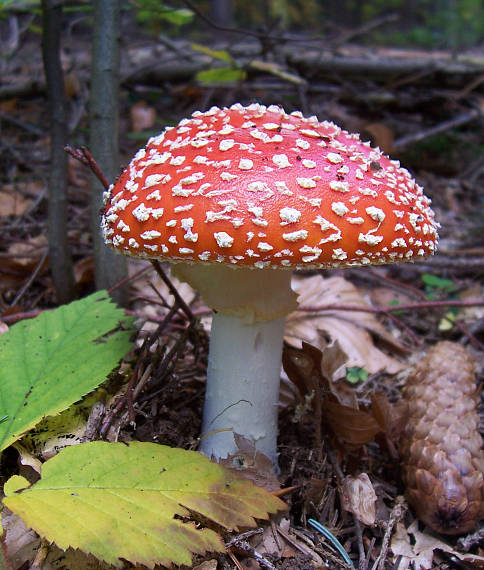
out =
column 242, row 385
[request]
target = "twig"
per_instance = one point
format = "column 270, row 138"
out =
column 251, row 33
column 84, row 156
column 234, row 560
column 16, row 317
column 251, row 551
column 405, row 307
column 185, row 308
column 129, row 278
column 396, row 515
column 364, row 29
column 462, row 119
column 32, row 129
column 243, row 536
column 30, row 280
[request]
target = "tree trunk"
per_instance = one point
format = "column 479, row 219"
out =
column 222, row 12
column 59, row 252
column 109, row 268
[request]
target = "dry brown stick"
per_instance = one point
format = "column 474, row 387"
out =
column 173, row 290
column 22, row 89
column 128, row 279
column 396, row 515
column 365, row 28
column 30, row 280
column 406, row 307
column 84, row 156
column 16, row 317
column 461, row 119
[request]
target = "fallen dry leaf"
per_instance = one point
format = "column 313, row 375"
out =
column 359, row 497
column 251, row 464
column 84, row 271
column 207, row 565
column 142, row 116
column 13, row 204
column 350, row 328
column 28, row 252
column 417, row 551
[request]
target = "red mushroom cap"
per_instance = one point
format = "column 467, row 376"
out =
column 257, row 187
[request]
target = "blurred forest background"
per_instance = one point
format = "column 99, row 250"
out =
column 109, row 74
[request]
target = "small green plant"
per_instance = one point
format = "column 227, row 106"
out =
column 438, row 288
column 355, row 374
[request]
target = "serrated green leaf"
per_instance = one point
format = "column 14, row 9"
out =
column 221, row 54
column 119, row 501
column 221, row 75
column 50, row 362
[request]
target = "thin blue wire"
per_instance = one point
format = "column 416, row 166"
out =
column 334, row 541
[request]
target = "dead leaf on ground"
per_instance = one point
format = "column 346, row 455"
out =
column 359, row 497
column 384, row 296
column 28, row 252
column 471, row 314
column 84, row 270
column 418, row 551
column 142, row 117
column 13, row 204
column 350, row 328
column 336, row 405
column 207, row 565
column 251, row 464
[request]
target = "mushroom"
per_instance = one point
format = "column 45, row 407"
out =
column 237, row 198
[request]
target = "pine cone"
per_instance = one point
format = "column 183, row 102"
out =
column 443, row 462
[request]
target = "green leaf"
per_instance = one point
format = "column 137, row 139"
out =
column 50, row 362
column 221, row 75
column 119, row 501
column 221, row 54
column 355, row 374
column 177, row 17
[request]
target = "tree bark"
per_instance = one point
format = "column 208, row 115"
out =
column 59, row 251
column 109, row 268
column 222, row 12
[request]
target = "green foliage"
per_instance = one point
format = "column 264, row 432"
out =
column 50, row 362
column 220, row 54
column 355, row 374
column 18, row 5
column 436, row 287
column 154, row 14
column 229, row 73
column 120, row 501
column 220, row 75
column 430, row 23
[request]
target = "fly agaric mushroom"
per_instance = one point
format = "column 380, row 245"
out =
column 235, row 199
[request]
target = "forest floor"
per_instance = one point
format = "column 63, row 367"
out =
column 344, row 476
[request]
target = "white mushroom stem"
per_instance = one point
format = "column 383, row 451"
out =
column 245, row 354
column 242, row 385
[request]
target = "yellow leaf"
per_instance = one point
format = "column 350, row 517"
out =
column 120, row 501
